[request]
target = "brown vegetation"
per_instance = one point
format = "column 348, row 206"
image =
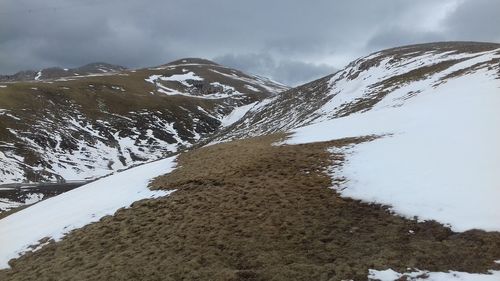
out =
column 250, row 210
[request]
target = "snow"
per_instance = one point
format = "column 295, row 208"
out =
column 38, row 75
column 227, row 91
column 236, row 114
column 175, row 77
column 33, row 198
column 437, row 154
column 74, row 209
column 251, row 88
column 10, row 170
column 3, row 86
column 268, row 84
column 118, row 88
column 182, row 77
column 93, row 155
column 391, row 275
column 6, row 204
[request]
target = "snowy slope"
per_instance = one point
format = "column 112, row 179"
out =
column 434, row 108
column 437, row 157
column 56, row 216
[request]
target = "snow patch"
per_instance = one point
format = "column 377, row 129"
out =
column 251, row 88
column 38, row 75
column 236, row 114
column 391, row 275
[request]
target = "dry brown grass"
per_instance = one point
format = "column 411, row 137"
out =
column 247, row 210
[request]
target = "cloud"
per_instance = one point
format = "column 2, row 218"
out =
column 297, row 39
column 399, row 37
column 289, row 72
column 476, row 20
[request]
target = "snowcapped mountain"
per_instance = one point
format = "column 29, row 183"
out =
column 388, row 78
column 107, row 118
column 433, row 111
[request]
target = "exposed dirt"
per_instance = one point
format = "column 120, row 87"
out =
column 248, row 210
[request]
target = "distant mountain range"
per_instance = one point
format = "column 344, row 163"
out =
column 57, row 72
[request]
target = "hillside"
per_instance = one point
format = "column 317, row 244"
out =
column 88, row 126
column 385, row 170
column 384, row 79
column 433, row 101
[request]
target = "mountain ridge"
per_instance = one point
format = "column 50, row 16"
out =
column 59, row 72
column 310, row 97
column 80, row 114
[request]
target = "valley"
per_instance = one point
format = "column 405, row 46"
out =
column 384, row 170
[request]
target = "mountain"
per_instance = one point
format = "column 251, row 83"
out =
column 57, row 72
column 90, row 125
column 385, row 170
column 422, row 112
column 368, row 83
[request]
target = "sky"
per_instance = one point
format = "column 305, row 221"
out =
column 289, row 41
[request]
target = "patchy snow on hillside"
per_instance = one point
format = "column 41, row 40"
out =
column 6, row 204
column 437, row 156
column 31, row 198
column 391, row 275
column 227, row 91
column 56, row 216
column 10, row 167
column 268, row 84
column 236, row 114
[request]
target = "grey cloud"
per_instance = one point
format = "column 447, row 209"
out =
column 291, row 40
column 477, row 20
column 287, row 71
column 399, row 37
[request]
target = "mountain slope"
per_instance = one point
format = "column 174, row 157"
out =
column 88, row 126
column 433, row 101
column 369, row 82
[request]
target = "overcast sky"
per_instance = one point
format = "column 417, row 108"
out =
column 289, row 41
